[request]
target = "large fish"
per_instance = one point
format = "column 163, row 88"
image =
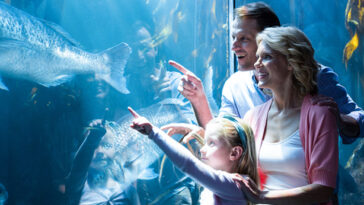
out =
column 135, row 155
column 40, row 51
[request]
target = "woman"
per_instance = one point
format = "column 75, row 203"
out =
column 296, row 141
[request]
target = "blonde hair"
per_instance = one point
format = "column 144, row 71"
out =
column 226, row 131
column 293, row 43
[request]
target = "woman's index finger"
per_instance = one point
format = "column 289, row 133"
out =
column 135, row 114
column 179, row 67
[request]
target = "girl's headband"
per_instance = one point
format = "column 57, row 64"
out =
column 239, row 129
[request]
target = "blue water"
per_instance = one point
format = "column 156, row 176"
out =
column 48, row 157
column 45, row 156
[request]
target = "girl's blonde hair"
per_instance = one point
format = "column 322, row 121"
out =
column 293, row 43
column 226, row 131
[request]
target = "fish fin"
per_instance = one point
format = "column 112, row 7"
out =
column 117, row 57
column 60, row 79
column 2, row 85
column 57, row 28
column 147, row 174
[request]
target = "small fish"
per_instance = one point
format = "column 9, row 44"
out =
column 354, row 14
column 40, row 51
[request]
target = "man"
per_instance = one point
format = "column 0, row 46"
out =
column 241, row 93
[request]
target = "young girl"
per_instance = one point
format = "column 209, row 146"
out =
column 229, row 148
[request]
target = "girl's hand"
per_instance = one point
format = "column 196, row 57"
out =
column 141, row 124
column 188, row 130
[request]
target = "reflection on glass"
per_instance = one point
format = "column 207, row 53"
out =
column 42, row 128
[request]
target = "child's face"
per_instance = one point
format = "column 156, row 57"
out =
column 105, row 152
column 216, row 152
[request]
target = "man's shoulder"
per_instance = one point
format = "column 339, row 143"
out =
column 244, row 74
column 240, row 77
column 325, row 72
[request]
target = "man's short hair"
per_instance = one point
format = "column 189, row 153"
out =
column 259, row 11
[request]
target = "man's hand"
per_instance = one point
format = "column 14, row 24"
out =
column 322, row 100
column 188, row 130
column 190, row 85
column 347, row 125
column 141, row 124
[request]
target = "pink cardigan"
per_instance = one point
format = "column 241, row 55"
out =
column 319, row 137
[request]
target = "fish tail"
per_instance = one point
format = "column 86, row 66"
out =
column 117, row 58
column 2, row 85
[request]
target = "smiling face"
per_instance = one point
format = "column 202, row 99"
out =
column 271, row 68
column 216, row 152
column 244, row 46
column 144, row 53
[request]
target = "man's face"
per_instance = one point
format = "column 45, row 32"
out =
column 244, row 46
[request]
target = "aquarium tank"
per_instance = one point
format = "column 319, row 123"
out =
column 69, row 67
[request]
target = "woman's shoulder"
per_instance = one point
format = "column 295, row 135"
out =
column 309, row 105
column 263, row 108
column 254, row 115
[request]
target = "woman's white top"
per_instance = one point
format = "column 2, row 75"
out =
column 284, row 163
